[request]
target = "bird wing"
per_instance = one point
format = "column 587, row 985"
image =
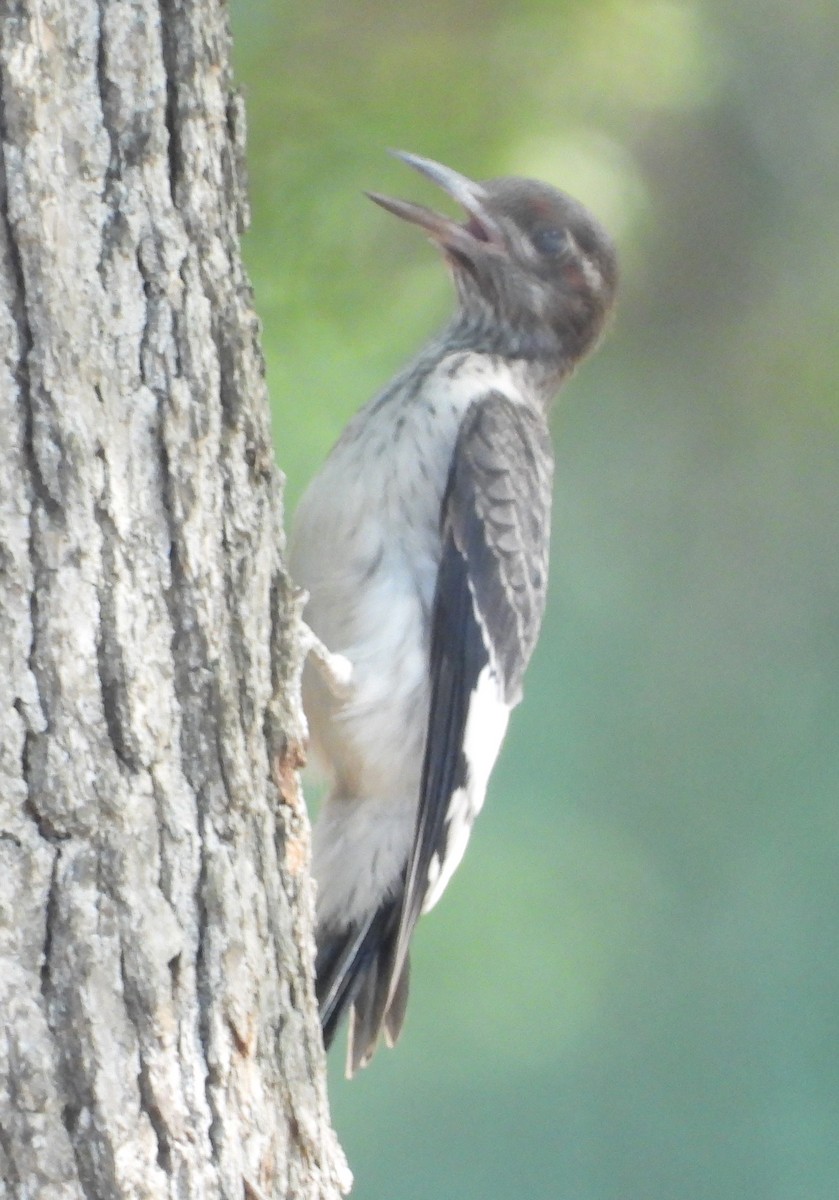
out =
column 488, row 606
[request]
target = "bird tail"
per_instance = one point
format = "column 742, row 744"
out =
column 355, row 974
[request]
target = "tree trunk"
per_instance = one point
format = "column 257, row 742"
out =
column 160, row 1037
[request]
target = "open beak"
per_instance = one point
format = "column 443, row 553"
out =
column 480, row 231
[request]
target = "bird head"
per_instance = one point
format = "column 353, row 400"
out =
column 535, row 272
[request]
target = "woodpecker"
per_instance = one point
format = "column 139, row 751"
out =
column 423, row 546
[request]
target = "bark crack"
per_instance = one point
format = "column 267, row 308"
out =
column 201, row 981
column 11, row 1178
column 49, row 925
column 236, row 160
column 19, row 307
column 45, row 827
column 110, row 659
column 70, row 1078
column 106, row 92
column 145, row 1088
column 170, row 27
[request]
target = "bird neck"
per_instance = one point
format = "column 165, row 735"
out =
column 539, row 365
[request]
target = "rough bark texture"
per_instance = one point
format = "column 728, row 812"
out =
column 159, row 1037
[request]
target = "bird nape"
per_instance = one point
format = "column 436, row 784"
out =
column 423, row 545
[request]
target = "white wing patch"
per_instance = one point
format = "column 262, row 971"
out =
column 486, row 724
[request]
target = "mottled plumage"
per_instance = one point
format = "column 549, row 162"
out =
column 423, row 545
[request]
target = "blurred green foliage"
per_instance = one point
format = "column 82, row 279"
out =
column 631, row 990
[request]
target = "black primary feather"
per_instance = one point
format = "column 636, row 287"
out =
column 488, row 607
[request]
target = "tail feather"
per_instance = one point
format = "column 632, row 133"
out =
column 337, row 977
column 354, row 970
column 395, row 1015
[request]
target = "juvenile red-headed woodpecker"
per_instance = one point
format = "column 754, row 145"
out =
column 423, row 546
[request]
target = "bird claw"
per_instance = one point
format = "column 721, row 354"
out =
column 334, row 669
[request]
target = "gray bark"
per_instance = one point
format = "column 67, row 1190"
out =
column 159, row 1032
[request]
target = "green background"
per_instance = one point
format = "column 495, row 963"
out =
column 631, row 989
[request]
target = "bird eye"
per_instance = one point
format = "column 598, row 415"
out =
column 550, row 242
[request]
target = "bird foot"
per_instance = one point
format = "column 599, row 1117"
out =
column 335, row 669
